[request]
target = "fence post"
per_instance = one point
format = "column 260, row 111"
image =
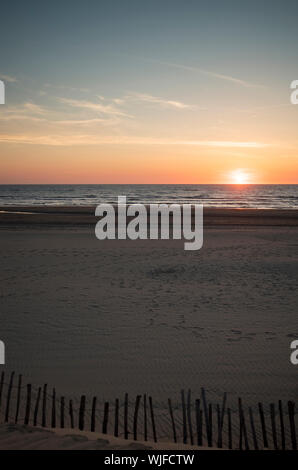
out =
column 282, row 425
column 62, row 406
column 184, row 418
column 116, row 429
column 242, row 426
column 71, row 414
column 222, row 415
column 172, row 420
column 152, row 419
column 219, row 440
column 145, row 418
column 82, row 413
column 53, row 422
column 189, row 416
column 199, row 416
column 273, row 425
column 291, row 409
column 230, row 444
column 44, row 406
column 263, row 424
column 253, row 429
column 105, row 418
column 8, row 397
column 28, row 405
column 206, row 415
column 210, row 443
column 126, row 416
column 93, row 415
column 135, row 418
column 36, row 407
column 18, row 398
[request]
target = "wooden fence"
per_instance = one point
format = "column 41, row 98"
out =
column 194, row 421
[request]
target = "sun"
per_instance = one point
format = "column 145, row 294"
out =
column 239, row 177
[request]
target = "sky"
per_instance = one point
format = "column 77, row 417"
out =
column 148, row 92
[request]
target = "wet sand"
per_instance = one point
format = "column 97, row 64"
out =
column 84, row 215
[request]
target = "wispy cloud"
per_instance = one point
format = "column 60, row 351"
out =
column 20, row 117
column 27, row 111
column 8, row 78
column 95, row 106
column 33, row 112
column 229, row 78
column 66, row 87
column 83, row 122
column 144, row 97
column 87, row 139
column 34, row 108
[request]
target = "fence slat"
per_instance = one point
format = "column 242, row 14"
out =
column 145, row 418
column 53, row 420
column 230, row 433
column 242, row 425
column 135, row 417
column 210, row 443
column 116, row 428
column 172, row 420
column 184, row 417
column 62, row 406
column 199, row 423
column 82, row 413
column 93, row 415
column 18, row 399
column 206, row 414
column 152, row 419
column 282, row 425
column 222, row 416
column 253, row 429
column 28, row 405
column 273, row 426
column 8, row 397
column 71, row 414
column 105, row 418
column 291, row 410
column 263, row 425
column 126, row 416
column 44, row 406
column 36, row 407
column 219, row 443
column 189, row 416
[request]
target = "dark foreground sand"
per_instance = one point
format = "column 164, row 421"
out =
column 18, row 437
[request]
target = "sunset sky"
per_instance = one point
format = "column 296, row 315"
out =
column 149, row 92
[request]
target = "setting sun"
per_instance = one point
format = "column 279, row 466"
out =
column 239, row 177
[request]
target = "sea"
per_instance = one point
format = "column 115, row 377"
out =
column 270, row 196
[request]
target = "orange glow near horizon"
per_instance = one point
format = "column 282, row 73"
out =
column 146, row 164
column 240, row 177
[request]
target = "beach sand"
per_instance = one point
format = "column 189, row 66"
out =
column 19, row 437
column 108, row 317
